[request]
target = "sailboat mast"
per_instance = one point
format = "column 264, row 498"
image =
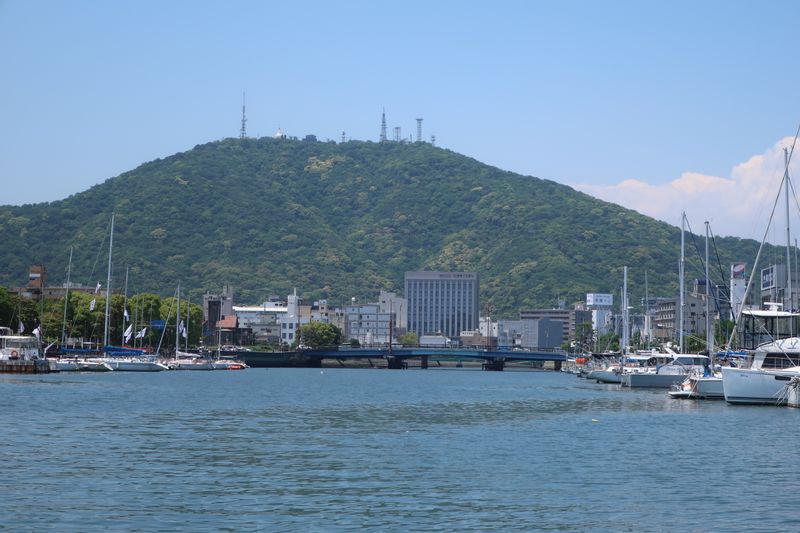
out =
column 647, row 328
column 108, row 284
column 66, row 301
column 624, row 346
column 680, row 282
column 177, row 322
column 790, row 299
column 124, row 307
column 186, row 328
column 709, row 333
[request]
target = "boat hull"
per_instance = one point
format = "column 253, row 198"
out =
column 651, row 380
column 124, row 365
column 760, row 387
column 704, row 388
column 607, row 376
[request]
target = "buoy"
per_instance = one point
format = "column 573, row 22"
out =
column 595, row 420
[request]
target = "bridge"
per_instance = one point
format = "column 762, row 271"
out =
column 397, row 357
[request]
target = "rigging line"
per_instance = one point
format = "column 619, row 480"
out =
column 163, row 331
column 696, row 247
column 97, row 257
column 766, row 232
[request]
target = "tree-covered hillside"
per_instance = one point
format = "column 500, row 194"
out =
column 342, row 220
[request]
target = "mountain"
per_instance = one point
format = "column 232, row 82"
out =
column 345, row 220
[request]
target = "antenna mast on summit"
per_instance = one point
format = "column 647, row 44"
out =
column 419, row 130
column 243, row 131
column 383, row 126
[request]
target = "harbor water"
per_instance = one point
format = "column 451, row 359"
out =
column 386, row 450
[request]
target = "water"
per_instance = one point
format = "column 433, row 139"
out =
column 383, row 450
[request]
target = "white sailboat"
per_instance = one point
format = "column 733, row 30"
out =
column 703, row 384
column 185, row 360
column 776, row 364
column 75, row 364
column 123, row 359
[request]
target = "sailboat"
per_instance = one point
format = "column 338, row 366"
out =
column 75, row 363
column 185, row 360
column 123, row 358
column 705, row 384
column 776, row 364
column 681, row 365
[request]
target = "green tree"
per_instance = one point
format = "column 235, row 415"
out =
column 608, row 342
column 408, row 339
column 319, row 334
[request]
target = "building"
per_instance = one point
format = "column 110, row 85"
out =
column 389, row 302
column 263, row 320
column 376, row 323
column 570, row 319
column 774, row 287
column 367, row 324
column 38, row 289
column 530, row 334
column 601, row 306
column 442, row 302
column 215, row 308
column 667, row 318
column 738, row 286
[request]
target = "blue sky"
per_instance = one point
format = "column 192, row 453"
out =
column 659, row 106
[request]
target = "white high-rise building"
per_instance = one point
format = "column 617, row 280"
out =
column 738, row 286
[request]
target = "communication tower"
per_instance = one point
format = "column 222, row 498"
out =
column 433, row 139
column 397, row 133
column 243, row 131
column 343, row 135
column 419, row 130
column 383, row 126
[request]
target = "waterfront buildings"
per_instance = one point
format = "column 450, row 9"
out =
column 601, row 306
column 570, row 319
column 442, row 302
column 376, row 323
column 530, row 334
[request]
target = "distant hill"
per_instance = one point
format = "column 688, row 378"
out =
column 343, row 220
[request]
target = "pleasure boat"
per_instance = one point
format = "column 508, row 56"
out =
column 667, row 375
column 765, row 381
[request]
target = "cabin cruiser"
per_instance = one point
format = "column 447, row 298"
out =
column 667, row 375
column 773, row 366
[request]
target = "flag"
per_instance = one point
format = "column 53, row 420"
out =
column 140, row 335
column 97, row 289
column 36, row 332
column 21, row 327
column 182, row 330
column 92, row 304
column 125, row 314
column 128, row 332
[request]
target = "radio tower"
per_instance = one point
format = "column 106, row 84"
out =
column 419, row 130
column 383, row 126
column 243, row 131
column 397, row 133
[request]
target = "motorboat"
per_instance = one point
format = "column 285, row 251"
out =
column 667, row 375
column 772, row 369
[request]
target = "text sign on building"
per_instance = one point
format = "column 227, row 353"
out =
column 599, row 299
column 768, row 278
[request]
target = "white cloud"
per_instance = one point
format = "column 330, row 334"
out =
column 738, row 205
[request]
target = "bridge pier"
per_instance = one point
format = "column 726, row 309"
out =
column 423, row 362
column 395, row 363
column 557, row 366
column 496, row 365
